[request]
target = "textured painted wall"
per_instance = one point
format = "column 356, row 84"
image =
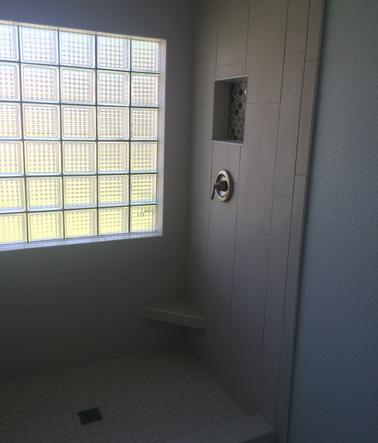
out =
column 72, row 304
column 336, row 375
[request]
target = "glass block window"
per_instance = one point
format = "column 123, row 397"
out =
column 79, row 119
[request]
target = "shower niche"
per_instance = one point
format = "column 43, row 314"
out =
column 230, row 99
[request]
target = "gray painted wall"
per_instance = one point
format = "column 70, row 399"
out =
column 72, row 304
column 336, row 370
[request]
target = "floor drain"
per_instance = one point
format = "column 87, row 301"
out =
column 90, row 416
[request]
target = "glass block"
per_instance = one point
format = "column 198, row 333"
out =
column 9, row 81
column 41, row 121
column 8, row 42
column 113, row 221
column 40, row 83
column 77, row 49
column 80, row 223
column 11, row 161
column 12, row 195
column 80, row 192
column 45, row 226
column 143, row 188
column 42, row 158
column 113, row 157
column 113, row 53
column 113, row 123
column 79, row 122
column 113, row 190
column 144, row 90
column 12, row 228
column 44, row 193
column 143, row 157
column 144, row 124
column 77, row 85
column 143, row 218
column 145, row 56
column 79, row 158
column 39, row 45
column 10, row 122
column 112, row 88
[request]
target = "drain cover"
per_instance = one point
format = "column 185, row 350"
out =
column 89, row 416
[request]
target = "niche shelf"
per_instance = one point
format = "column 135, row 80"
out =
column 177, row 312
column 230, row 99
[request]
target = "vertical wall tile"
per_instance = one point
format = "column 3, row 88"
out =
column 275, row 299
column 205, row 50
column 287, row 353
column 72, row 319
column 288, row 126
column 249, row 283
column 297, row 18
column 314, row 32
column 226, row 156
column 307, row 116
column 232, row 38
column 296, row 231
column 257, row 165
column 266, row 47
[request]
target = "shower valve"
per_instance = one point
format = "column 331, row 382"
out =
column 223, row 186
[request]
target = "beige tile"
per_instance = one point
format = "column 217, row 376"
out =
column 266, row 47
column 307, row 116
column 296, row 33
column 257, row 165
column 289, row 122
column 232, row 37
column 314, row 32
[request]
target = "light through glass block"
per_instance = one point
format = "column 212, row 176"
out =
column 113, row 221
column 142, row 218
column 45, row 226
column 80, row 192
column 12, row 228
column 113, row 53
column 113, row 123
column 77, row 49
column 80, row 223
column 113, row 190
column 41, row 121
column 42, row 158
column 145, row 56
column 144, row 124
column 79, row 122
column 113, row 157
column 112, row 88
column 40, row 83
column 8, row 42
column 10, row 123
column 143, row 188
column 144, row 90
column 143, row 157
column 79, row 158
column 9, row 82
column 12, row 195
column 44, row 193
column 11, row 162
column 77, row 85
column 39, row 45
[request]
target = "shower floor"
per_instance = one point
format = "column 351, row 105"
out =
column 146, row 397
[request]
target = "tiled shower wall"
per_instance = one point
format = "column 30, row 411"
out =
column 244, row 255
column 68, row 305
